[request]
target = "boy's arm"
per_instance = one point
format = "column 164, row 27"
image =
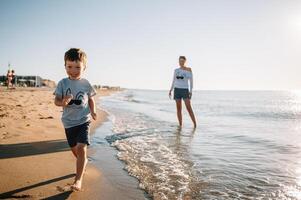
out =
column 62, row 101
column 92, row 107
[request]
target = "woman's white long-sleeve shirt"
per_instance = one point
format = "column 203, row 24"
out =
column 181, row 78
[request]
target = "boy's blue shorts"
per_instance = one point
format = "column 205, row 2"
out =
column 78, row 134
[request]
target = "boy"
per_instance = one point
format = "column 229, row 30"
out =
column 75, row 95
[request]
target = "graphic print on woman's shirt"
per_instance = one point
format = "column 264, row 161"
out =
column 180, row 75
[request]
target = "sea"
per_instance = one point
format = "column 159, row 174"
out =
column 247, row 144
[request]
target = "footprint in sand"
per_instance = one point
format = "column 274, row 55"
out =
column 50, row 117
column 66, row 188
column 3, row 115
column 5, row 135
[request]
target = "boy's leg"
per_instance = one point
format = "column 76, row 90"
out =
column 74, row 151
column 71, row 135
column 80, row 164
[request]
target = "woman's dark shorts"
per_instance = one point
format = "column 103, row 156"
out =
column 78, row 134
column 181, row 93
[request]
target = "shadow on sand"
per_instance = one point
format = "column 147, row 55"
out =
column 12, row 194
column 32, row 148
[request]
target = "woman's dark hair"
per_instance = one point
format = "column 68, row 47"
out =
column 182, row 57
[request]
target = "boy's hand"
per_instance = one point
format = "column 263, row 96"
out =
column 66, row 100
column 94, row 115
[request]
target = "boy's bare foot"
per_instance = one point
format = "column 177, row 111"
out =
column 77, row 185
column 85, row 171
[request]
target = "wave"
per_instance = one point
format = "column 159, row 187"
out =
column 161, row 171
column 129, row 97
column 268, row 115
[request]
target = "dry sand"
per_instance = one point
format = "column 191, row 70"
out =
column 35, row 160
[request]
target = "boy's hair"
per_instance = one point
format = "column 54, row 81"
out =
column 76, row 54
column 182, row 57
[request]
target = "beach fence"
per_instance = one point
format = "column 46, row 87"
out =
column 25, row 81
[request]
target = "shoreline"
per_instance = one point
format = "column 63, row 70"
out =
column 104, row 158
column 35, row 160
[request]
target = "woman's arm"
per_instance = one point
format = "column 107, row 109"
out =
column 173, row 83
column 92, row 107
column 191, row 82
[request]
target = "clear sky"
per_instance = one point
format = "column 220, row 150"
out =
column 230, row 44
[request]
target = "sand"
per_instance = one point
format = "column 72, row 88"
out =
column 35, row 159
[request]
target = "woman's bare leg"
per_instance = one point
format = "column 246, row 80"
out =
column 190, row 111
column 179, row 111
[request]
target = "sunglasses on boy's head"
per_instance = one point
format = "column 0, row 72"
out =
column 75, row 101
column 180, row 77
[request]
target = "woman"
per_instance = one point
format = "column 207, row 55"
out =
column 182, row 90
column 13, row 81
column 9, row 78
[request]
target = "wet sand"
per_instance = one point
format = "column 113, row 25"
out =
column 35, row 160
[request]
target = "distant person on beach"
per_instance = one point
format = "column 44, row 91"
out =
column 13, row 81
column 9, row 78
column 182, row 90
column 75, row 95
